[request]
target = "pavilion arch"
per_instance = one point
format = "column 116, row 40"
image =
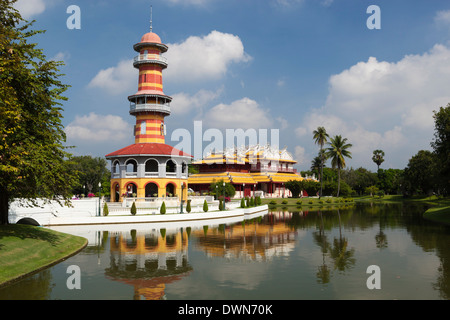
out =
column 116, row 192
column 152, row 165
column 130, row 188
column 171, row 188
column 151, row 188
column 184, row 168
column 116, row 167
column 131, row 165
column 171, row 166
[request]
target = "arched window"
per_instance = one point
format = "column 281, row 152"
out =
column 151, row 190
column 170, row 190
column 151, row 166
column 171, row 166
column 116, row 167
column 131, row 190
column 131, row 165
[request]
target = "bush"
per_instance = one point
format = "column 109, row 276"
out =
column 188, row 206
column 273, row 202
column 205, row 206
column 247, row 202
column 251, row 202
column 299, row 202
column 220, row 205
column 133, row 209
column 242, row 203
column 162, row 210
column 284, row 201
column 258, row 201
column 105, row 210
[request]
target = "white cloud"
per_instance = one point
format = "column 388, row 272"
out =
column 442, row 17
column 288, row 3
column 61, row 56
column 300, row 156
column 327, row 3
column 375, row 93
column 244, row 113
column 184, row 103
column 116, row 80
column 385, row 105
column 203, row 58
column 283, row 122
column 30, row 8
column 197, row 58
column 98, row 128
column 190, row 2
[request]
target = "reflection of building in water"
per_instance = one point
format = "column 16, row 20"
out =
column 250, row 240
column 148, row 261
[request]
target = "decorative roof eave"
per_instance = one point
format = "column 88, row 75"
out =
column 112, row 156
column 137, row 47
column 149, row 149
column 149, row 94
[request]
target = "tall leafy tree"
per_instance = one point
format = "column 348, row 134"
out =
column 378, row 157
column 320, row 136
column 420, row 174
column 441, row 146
column 337, row 152
column 92, row 170
column 32, row 155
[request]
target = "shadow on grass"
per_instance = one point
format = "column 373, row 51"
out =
column 27, row 232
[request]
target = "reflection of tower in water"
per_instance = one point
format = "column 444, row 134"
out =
column 148, row 261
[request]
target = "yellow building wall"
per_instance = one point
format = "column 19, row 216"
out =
column 142, row 182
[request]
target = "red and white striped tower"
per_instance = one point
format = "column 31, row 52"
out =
column 149, row 104
column 149, row 167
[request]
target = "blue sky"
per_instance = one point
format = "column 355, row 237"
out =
column 290, row 65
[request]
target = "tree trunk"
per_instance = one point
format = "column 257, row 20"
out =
column 339, row 182
column 321, row 172
column 4, row 206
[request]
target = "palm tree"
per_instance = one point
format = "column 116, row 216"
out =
column 320, row 136
column 315, row 165
column 337, row 151
column 378, row 157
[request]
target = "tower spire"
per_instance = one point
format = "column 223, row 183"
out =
column 151, row 17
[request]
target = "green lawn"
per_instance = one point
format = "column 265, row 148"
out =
column 438, row 214
column 25, row 249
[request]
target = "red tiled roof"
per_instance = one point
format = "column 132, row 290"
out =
column 148, row 149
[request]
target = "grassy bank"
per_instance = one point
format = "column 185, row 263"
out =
column 439, row 211
column 25, row 249
column 432, row 200
column 305, row 202
column 438, row 214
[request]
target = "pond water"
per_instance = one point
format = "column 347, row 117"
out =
column 279, row 255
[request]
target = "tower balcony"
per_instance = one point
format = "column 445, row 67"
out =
column 150, row 107
column 149, row 58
